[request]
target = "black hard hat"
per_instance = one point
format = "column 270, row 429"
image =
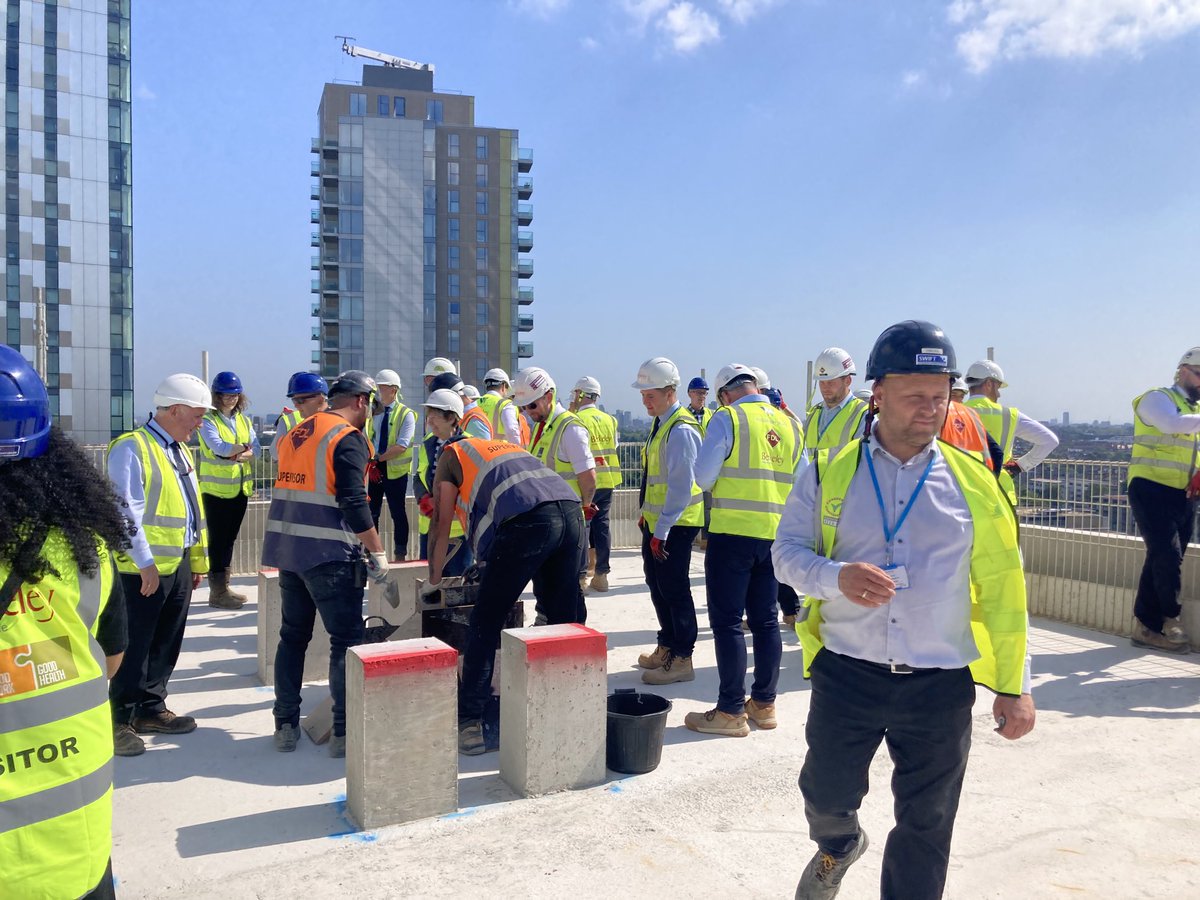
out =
column 353, row 381
column 447, row 381
column 912, row 348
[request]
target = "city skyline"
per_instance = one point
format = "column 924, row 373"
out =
column 803, row 177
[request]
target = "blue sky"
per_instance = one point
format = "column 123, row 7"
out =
column 715, row 181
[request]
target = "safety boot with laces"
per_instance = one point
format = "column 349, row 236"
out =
column 822, row 878
column 674, row 669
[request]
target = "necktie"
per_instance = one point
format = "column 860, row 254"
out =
column 383, row 428
column 646, row 463
column 189, row 492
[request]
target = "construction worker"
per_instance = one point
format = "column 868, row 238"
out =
column 603, row 437
column 154, row 475
column 439, row 365
column 561, row 443
column 964, row 429
column 909, row 557
column 1162, row 495
column 959, row 390
column 1006, row 423
column 476, row 422
column 55, row 746
column 524, row 524
column 320, row 537
column 748, row 460
column 309, row 392
column 228, row 447
column 424, row 466
column 390, row 434
column 697, row 391
column 838, row 418
column 506, row 423
column 672, row 511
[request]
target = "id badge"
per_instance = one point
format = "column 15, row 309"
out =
column 899, row 575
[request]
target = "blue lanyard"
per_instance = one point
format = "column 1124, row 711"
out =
column 889, row 534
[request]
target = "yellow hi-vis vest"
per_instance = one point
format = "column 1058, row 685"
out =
column 845, row 426
column 702, row 417
column 1170, row 459
column 423, row 468
column 545, row 448
column 602, row 433
column 655, row 472
column 756, row 477
column 999, row 618
column 1001, row 424
column 399, row 465
column 493, row 406
column 56, row 745
column 164, row 520
column 287, row 422
column 226, row 478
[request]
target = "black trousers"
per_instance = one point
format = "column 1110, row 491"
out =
column 395, row 490
column 105, row 889
column 224, row 516
column 600, row 531
column 1164, row 516
column 789, row 602
column 155, row 635
column 925, row 718
column 670, row 587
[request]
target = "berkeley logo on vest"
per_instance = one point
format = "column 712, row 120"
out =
column 932, row 356
column 32, row 667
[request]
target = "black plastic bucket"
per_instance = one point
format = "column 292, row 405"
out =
column 635, row 730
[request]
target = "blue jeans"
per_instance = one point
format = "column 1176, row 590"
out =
column 335, row 590
column 740, row 578
column 461, row 561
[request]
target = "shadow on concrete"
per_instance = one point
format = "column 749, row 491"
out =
column 268, row 829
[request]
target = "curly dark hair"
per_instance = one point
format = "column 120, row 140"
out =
column 60, row 489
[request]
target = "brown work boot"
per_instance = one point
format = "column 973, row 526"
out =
column 675, row 668
column 470, row 739
column 1174, row 631
column 583, row 584
column 654, row 659
column 165, row 722
column 219, row 594
column 599, row 582
column 761, row 714
column 716, row 722
column 591, row 560
column 125, row 742
column 1144, row 637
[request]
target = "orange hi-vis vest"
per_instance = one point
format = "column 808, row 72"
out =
column 477, row 413
column 964, row 429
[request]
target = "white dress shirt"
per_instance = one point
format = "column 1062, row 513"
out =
column 1158, row 410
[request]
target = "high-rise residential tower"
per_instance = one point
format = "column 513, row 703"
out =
column 420, row 230
column 68, row 205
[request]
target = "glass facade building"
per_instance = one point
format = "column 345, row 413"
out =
column 420, row 233
column 68, row 205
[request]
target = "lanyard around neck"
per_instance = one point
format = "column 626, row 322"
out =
column 889, row 533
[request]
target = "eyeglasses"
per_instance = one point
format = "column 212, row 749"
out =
column 529, row 407
column 305, row 398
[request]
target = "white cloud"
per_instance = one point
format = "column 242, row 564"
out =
column 994, row 30
column 144, row 93
column 912, row 79
column 689, row 28
column 589, row 43
column 542, row 8
column 742, row 11
column 643, row 11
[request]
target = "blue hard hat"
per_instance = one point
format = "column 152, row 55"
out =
column 227, row 383
column 24, row 408
column 697, row 384
column 307, row 383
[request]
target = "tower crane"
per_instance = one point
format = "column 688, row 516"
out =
column 394, row 62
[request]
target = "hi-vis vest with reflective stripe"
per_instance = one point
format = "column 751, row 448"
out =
column 56, row 745
column 999, row 621
column 226, row 477
column 963, row 429
column 545, row 448
column 602, row 434
column 494, row 405
column 756, row 477
column 287, row 422
column 1001, row 424
column 846, row 425
column 304, row 525
column 1169, row 459
column 164, row 520
column 477, row 414
column 702, row 418
column 397, row 466
column 654, row 470
column 422, row 471
column 500, row 480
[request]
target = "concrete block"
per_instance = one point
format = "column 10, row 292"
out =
column 270, row 615
column 401, row 731
column 553, row 708
column 318, row 724
column 406, row 576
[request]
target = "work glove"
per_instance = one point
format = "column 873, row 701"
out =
column 590, row 511
column 1013, row 468
column 425, row 505
column 641, row 522
column 429, row 590
column 377, row 567
column 1193, row 488
column 658, row 549
column 374, row 474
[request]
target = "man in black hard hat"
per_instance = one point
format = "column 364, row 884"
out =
column 888, row 539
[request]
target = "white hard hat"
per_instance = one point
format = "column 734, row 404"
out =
column 658, row 372
column 388, row 376
column 497, row 375
column 438, row 365
column 834, row 362
column 530, row 384
column 732, row 372
column 960, row 384
column 864, row 394
column 761, row 378
column 470, row 392
column 1191, row 358
column 588, row 385
column 445, row 400
column 183, row 389
column 984, row 369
